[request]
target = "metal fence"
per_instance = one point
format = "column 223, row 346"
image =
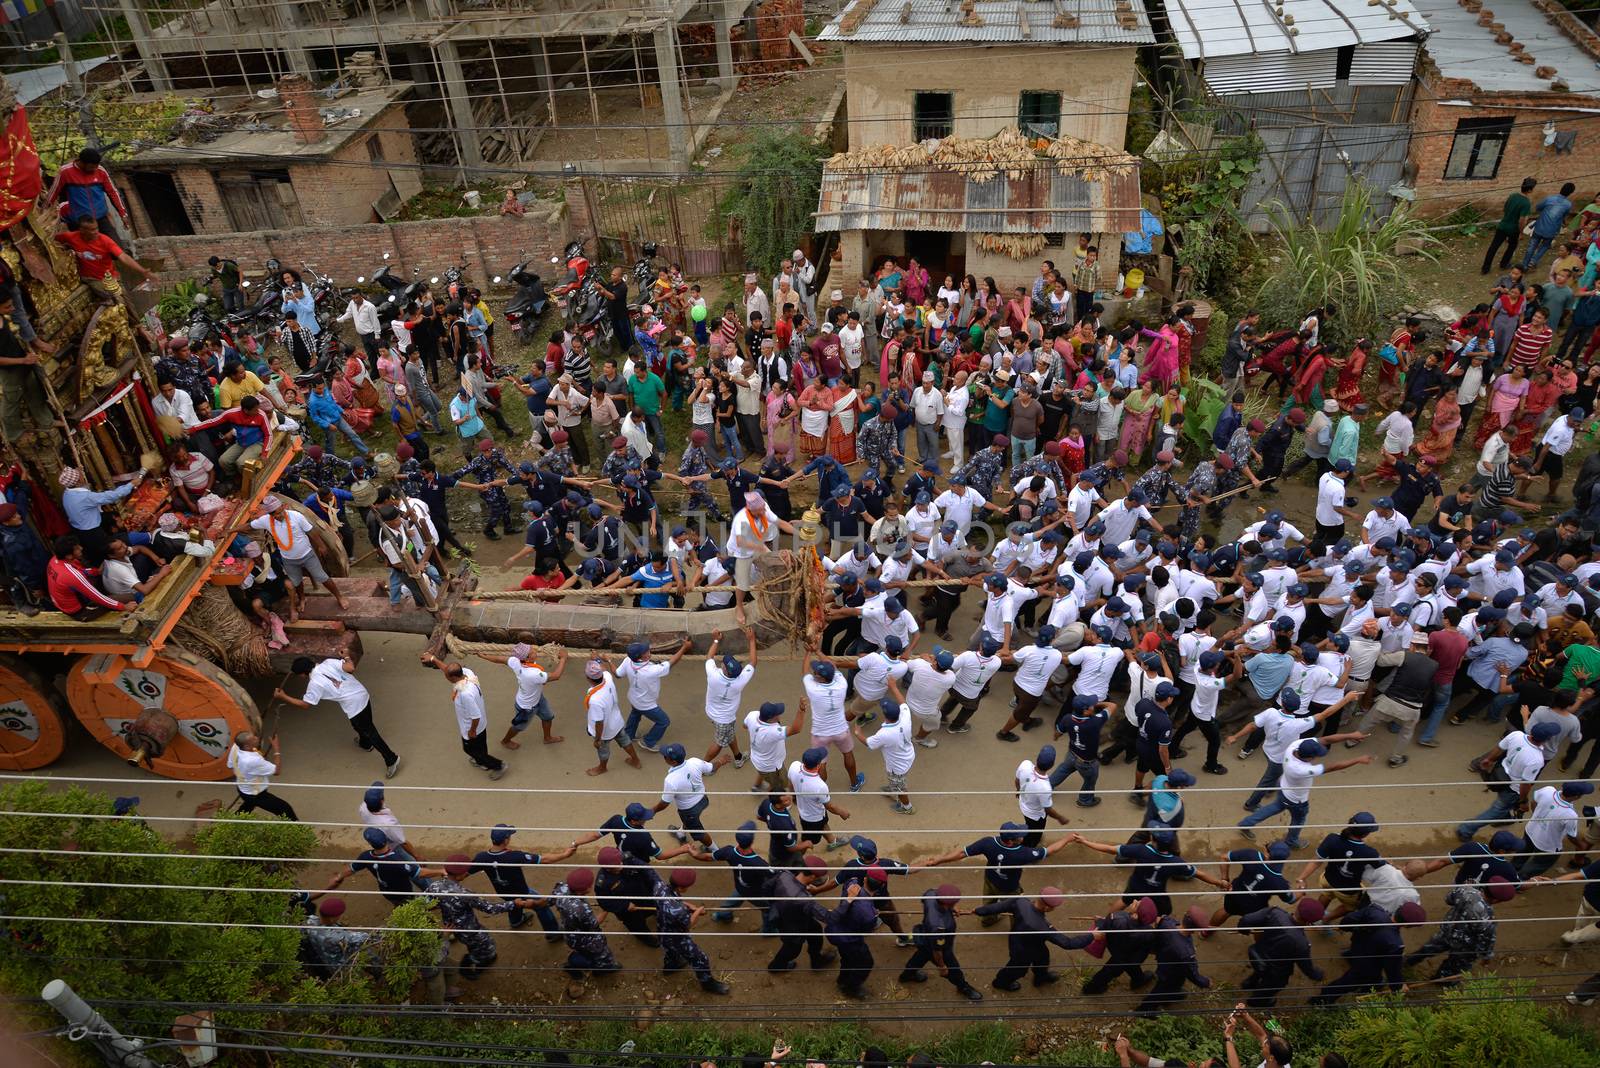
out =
column 681, row 217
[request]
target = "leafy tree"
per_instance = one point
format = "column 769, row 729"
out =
column 779, row 179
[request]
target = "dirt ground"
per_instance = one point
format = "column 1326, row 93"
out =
column 447, row 806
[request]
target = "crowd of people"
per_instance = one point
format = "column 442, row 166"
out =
column 1105, row 592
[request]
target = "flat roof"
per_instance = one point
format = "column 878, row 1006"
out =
column 346, row 115
column 1016, row 22
column 1207, row 29
column 1460, row 48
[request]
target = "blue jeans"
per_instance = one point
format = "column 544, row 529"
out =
column 1089, row 769
column 524, row 716
column 1022, row 449
column 397, row 588
column 1499, row 811
column 1441, row 701
column 343, row 427
column 19, row 315
column 1269, row 779
column 658, row 433
column 660, row 720
column 730, row 442
column 724, row 914
column 1297, row 811
column 1537, row 247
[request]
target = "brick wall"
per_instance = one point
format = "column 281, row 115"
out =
column 489, row 244
column 1433, row 132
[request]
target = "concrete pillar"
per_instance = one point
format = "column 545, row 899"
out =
column 673, row 113
column 149, row 52
column 453, row 80
column 724, row 29
column 299, row 58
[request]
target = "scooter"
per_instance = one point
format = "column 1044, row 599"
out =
column 579, row 296
column 527, row 304
column 644, row 273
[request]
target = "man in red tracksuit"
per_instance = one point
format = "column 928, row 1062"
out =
column 83, row 187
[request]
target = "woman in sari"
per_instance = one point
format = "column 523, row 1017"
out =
column 1541, row 397
column 845, row 407
column 783, row 419
column 1505, row 397
column 1507, row 317
column 1138, row 417
column 1347, row 387
column 816, row 407
column 1442, row 431
column 1184, row 328
column 1161, row 361
column 361, row 387
column 1307, row 387
column 391, row 372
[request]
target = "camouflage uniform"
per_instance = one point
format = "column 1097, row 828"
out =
column 694, row 463
column 620, row 463
column 1037, row 464
column 558, row 461
column 483, row 469
column 1203, row 482
column 1239, row 451
column 325, row 473
column 876, row 443
column 458, row 914
column 410, row 476
column 983, row 471
column 1156, row 483
column 589, row 949
column 677, row 946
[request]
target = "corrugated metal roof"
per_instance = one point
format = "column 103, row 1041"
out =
column 1042, row 202
column 1206, row 29
column 1001, row 22
column 1384, row 63
column 1463, row 49
column 37, row 82
column 1273, row 72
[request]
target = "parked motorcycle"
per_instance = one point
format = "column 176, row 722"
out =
column 644, row 273
column 528, row 302
column 579, row 296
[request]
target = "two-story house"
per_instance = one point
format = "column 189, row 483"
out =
column 958, row 73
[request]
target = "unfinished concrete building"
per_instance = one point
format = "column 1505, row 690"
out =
column 610, row 84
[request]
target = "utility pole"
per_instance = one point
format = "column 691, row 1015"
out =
column 85, row 1022
column 80, row 96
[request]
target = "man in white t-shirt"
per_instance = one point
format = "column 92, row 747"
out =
column 754, row 530
column 251, row 771
column 1096, row 662
column 928, row 679
column 602, row 717
column 1035, row 664
column 873, row 672
column 893, row 740
column 808, row 777
column 291, row 532
column 684, row 788
column 334, row 679
column 973, row 669
column 1294, row 787
column 645, row 674
column 375, row 812
column 530, row 700
column 767, row 744
column 1552, row 821
column 472, row 719
column 1035, row 795
column 726, row 679
column 1283, row 725
column 827, row 691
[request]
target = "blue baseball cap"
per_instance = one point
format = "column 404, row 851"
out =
column 674, row 752
column 638, row 650
column 1165, row 690
column 501, row 833
column 1289, row 700
column 1082, row 702
column 1311, row 748
column 823, row 669
column 637, row 813
column 813, row 756
column 1046, row 758
column 374, row 837
column 771, row 710
column 865, row 847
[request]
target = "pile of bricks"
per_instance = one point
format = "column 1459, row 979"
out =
column 770, row 52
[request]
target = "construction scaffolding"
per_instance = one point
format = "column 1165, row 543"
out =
column 494, row 77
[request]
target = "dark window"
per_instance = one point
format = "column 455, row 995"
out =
column 1040, row 113
column 1478, row 148
column 932, row 115
column 375, row 149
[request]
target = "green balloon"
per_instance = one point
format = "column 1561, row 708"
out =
column 698, row 313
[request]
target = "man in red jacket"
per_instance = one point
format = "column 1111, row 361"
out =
column 83, row 187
